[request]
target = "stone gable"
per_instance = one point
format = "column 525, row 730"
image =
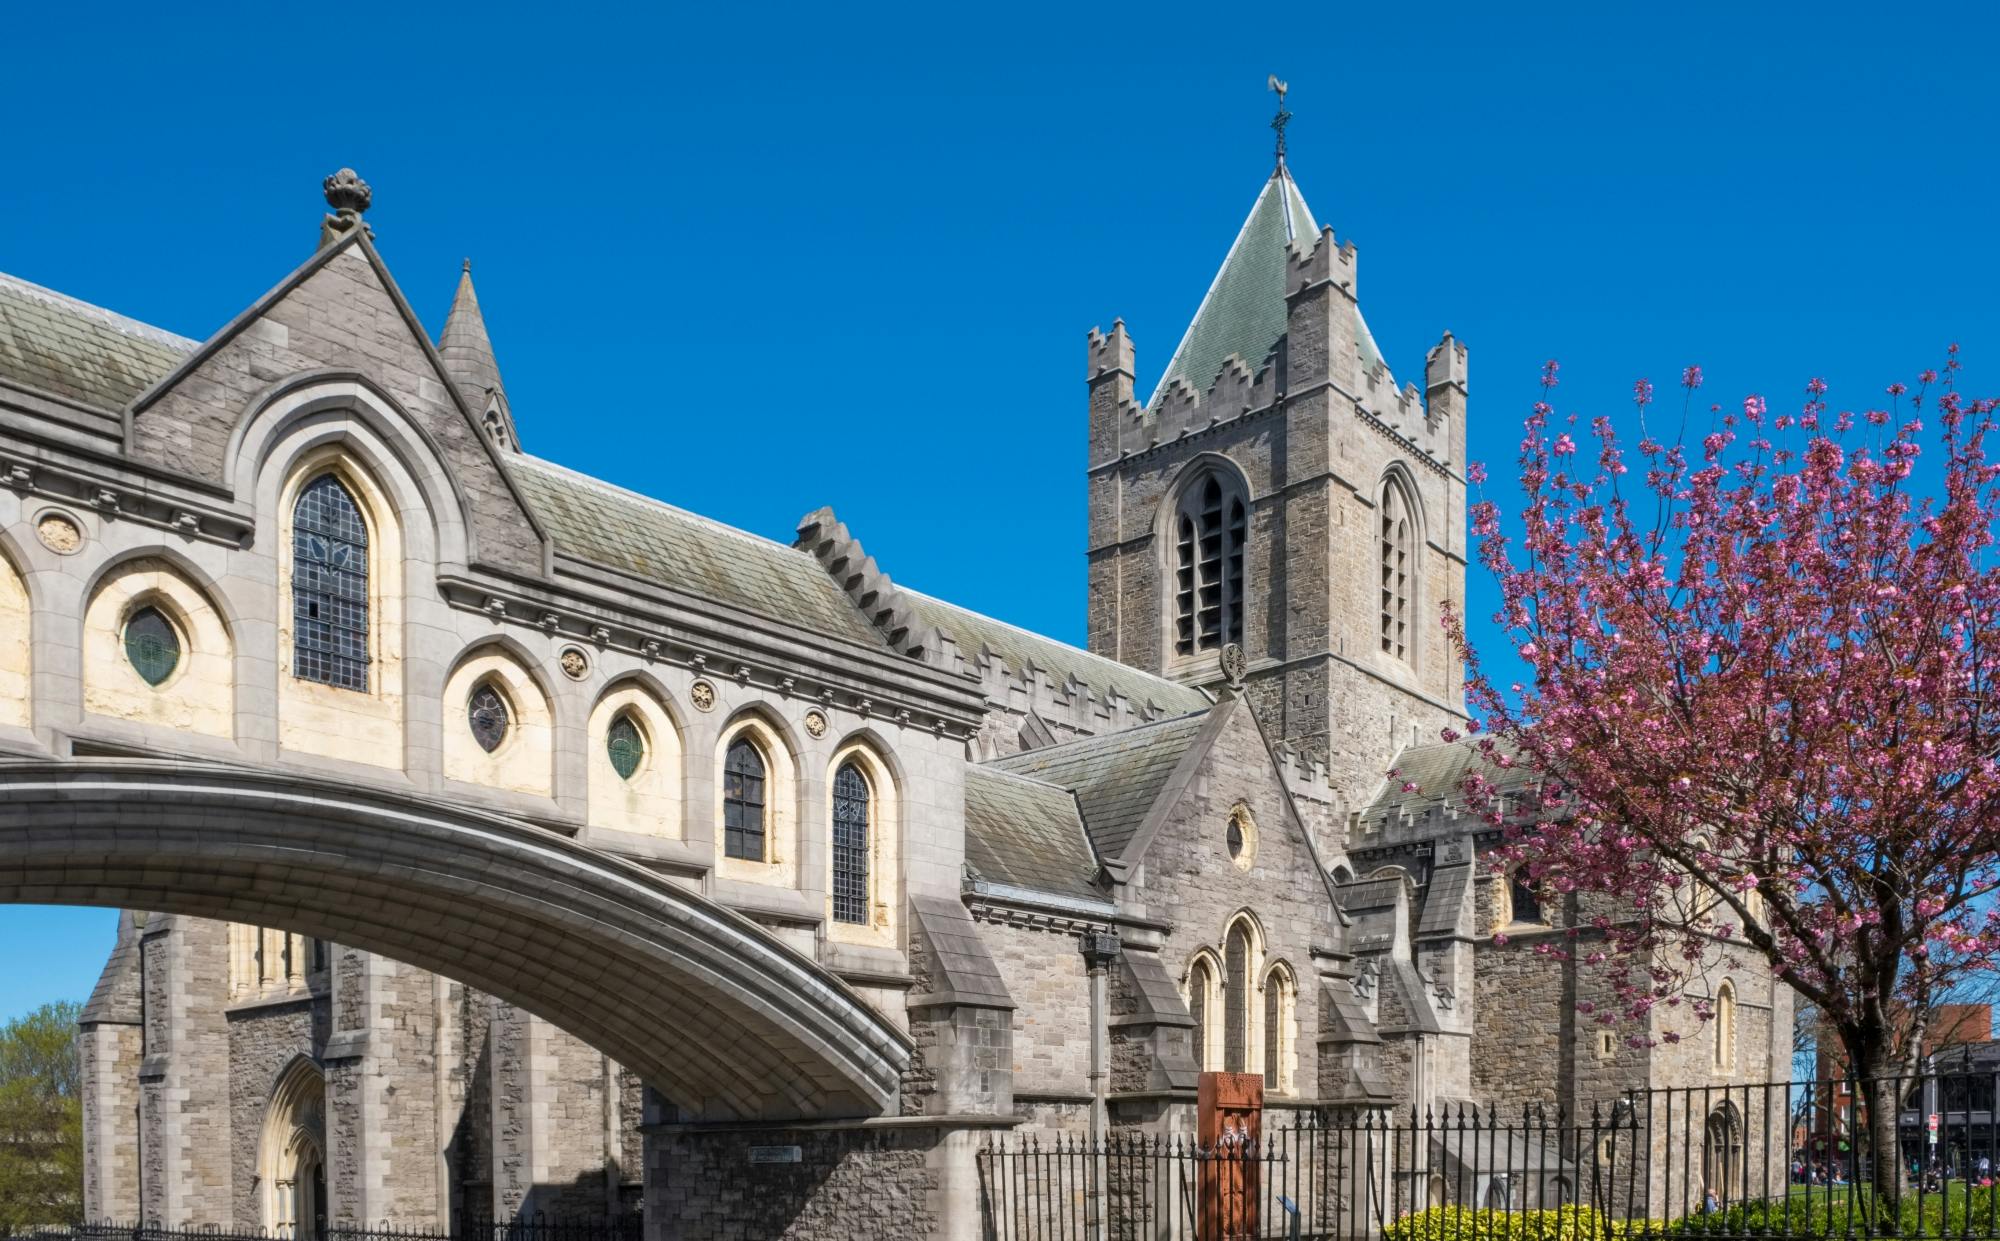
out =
column 344, row 314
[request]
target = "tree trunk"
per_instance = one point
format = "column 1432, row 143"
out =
column 1881, row 1086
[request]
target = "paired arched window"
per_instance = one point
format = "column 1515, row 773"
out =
column 1210, row 529
column 744, row 813
column 1236, row 965
column 851, row 812
column 1201, row 1001
column 329, row 586
column 1725, row 1027
column 1279, row 993
column 1398, row 568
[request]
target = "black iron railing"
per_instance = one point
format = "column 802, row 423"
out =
column 1754, row 1160
column 536, row 1228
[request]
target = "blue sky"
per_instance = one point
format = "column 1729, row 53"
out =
column 754, row 261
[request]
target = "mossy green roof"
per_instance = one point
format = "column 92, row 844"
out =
column 1243, row 312
column 1021, row 649
column 1027, row 833
column 1116, row 777
column 657, row 542
column 72, row 349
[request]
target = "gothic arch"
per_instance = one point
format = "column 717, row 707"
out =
column 310, row 411
column 363, row 720
column 863, row 751
column 291, row 1153
column 1399, row 542
column 524, row 759
column 17, row 609
column 606, row 949
column 777, row 748
column 198, row 695
column 1201, row 987
column 650, row 798
column 1202, row 528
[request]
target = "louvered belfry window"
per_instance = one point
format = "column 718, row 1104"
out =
column 1209, row 534
column 329, row 587
column 743, row 802
column 850, row 845
column 1397, row 555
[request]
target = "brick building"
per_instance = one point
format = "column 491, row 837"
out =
column 1077, row 878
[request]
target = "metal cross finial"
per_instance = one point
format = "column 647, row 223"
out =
column 1278, row 122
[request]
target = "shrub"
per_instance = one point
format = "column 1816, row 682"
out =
column 1459, row 1223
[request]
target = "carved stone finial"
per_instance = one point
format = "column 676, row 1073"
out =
column 349, row 196
column 346, row 191
column 1234, row 665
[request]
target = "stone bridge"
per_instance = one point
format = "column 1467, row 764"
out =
column 700, row 1001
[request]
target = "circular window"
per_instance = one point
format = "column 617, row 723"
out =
column 1241, row 837
column 625, row 745
column 152, row 645
column 487, row 714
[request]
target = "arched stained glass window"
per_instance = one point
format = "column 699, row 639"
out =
column 850, row 845
column 1278, row 992
column 1210, row 530
column 1236, row 1001
column 743, row 802
column 1398, row 563
column 329, row 587
column 625, row 745
column 152, row 646
column 486, row 715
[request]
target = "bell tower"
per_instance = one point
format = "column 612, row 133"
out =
column 1277, row 491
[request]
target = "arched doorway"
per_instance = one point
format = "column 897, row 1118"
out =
column 291, row 1155
column 1722, row 1154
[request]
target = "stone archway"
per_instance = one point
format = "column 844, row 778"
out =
column 291, row 1155
column 726, row 1021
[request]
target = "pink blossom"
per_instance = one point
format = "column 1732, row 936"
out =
column 1691, row 377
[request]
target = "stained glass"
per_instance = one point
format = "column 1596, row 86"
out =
column 487, row 714
column 850, row 845
column 329, row 587
column 625, row 746
column 152, row 645
column 743, row 802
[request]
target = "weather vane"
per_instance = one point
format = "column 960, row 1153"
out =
column 1278, row 121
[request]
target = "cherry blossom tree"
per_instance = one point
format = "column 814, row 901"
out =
column 1761, row 705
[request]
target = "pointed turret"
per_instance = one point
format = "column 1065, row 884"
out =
column 468, row 358
column 465, row 348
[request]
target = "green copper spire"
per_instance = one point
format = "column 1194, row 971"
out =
column 1244, row 310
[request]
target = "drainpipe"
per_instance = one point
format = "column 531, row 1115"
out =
column 1100, row 949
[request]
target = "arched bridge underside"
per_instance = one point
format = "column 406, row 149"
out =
column 707, row 1007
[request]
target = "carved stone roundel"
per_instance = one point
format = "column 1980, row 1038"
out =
column 702, row 695
column 816, row 723
column 575, row 664
column 59, row 533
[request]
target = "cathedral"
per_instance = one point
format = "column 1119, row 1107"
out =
column 1224, row 836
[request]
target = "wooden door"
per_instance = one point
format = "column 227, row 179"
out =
column 1229, row 1127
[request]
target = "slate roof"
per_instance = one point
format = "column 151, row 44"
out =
column 1116, row 777
column 1021, row 649
column 623, row 530
column 1243, row 312
column 73, row 349
column 1028, row 834
column 115, row 999
column 1438, row 771
column 1444, row 899
column 962, row 971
